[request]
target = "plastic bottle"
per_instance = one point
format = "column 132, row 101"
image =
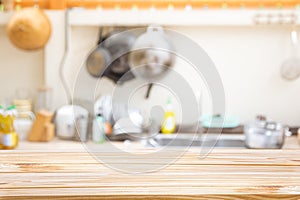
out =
column 169, row 123
column 98, row 130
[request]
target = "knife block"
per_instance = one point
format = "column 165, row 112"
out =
column 42, row 129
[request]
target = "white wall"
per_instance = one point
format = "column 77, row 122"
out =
column 20, row 70
column 247, row 58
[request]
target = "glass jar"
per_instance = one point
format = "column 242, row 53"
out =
column 8, row 137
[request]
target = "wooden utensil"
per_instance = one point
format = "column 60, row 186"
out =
column 49, row 132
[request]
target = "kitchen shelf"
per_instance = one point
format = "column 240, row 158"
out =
column 82, row 17
column 237, row 17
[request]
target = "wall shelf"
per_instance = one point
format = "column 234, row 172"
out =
column 81, row 17
column 238, row 17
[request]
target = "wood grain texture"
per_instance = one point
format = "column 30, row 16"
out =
column 30, row 173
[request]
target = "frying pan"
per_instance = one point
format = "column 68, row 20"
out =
column 151, row 55
column 110, row 57
column 99, row 58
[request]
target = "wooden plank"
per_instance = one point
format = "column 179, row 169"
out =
column 224, row 173
column 155, row 193
column 30, row 3
column 57, row 4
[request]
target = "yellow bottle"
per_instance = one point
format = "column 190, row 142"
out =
column 169, row 123
column 1, row 122
column 9, row 140
column 8, row 137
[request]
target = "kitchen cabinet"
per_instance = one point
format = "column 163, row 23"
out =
column 63, row 169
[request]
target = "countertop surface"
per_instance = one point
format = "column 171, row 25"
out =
column 66, row 169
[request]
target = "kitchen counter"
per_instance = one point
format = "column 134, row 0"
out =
column 63, row 169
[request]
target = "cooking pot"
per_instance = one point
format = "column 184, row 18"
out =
column 151, row 55
column 97, row 61
column 110, row 58
column 99, row 58
column 263, row 134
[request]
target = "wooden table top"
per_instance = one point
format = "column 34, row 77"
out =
column 63, row 170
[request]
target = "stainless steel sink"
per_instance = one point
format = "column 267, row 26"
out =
column 204, row 141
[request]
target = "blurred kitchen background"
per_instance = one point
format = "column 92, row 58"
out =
column 247, row 56
column 247, row 40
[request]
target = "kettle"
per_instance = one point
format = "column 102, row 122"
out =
column 66, row 118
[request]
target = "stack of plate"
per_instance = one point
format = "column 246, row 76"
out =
column 24, row 107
